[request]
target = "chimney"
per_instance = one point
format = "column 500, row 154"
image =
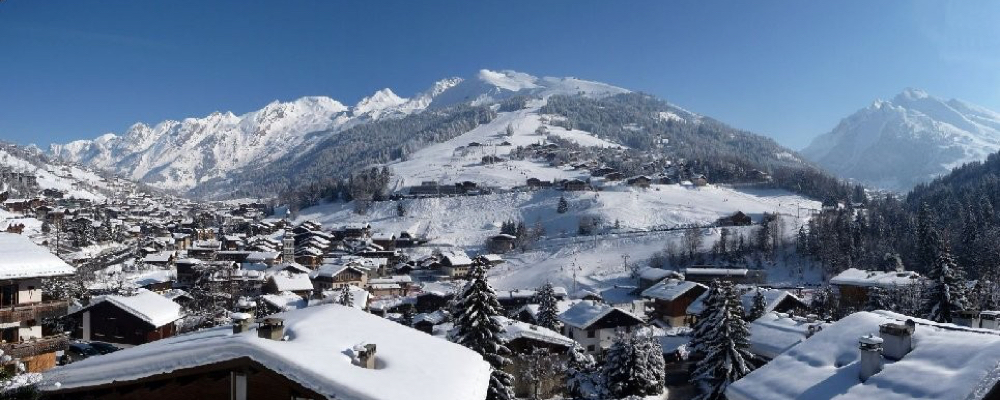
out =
column 871, row 356
column 272, row 328
column 898, row 339
column 366, row 356
column 241, row 322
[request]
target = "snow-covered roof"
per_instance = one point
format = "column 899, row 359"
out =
column 161, row 257
column 412, row 366
column 513, row 329
column 655, row 274
column 670, row 289
column 148, row 306
column 860, row 277
column 285, row 301
column 585, row 313
column 772, row 297
column 774, row 333
column 457, row 258
column 293, row 282
column 947, row 362
column 22, row 258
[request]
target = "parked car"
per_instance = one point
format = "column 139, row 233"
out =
column 104, row 348
column 78, row 351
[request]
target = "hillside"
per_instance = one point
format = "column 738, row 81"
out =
column 906, row 141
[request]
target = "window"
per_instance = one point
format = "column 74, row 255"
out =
column 591, row 333
column 590, row 348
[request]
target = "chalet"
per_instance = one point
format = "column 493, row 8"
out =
column 456, row 264
column 432, row 300
column 141, row 318
column 671, row 298
column 399, row 285
column 358, row 230
column 162, row 259
column 491, row 159
column 385, row 240
column 181, row 241
column 640, row 181
column 737, row 219
column 854, row 284
column 650, row 276
column 295, row 282
column 602, row 171
column 22, row 305
column 907, row 358
column 523, row 339
column 236, row 256
column 268, row 258
column 232, row 243
column 334, row 276
column 512, row 300
column 595, row 325
column 776, row 300
column 501, row 243
column 700, row 180
column 301, row 354
column 425, row 322
column 574, row 185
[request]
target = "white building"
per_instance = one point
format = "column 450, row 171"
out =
column 595, row 325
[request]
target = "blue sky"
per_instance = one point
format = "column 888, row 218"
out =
column 788, row 69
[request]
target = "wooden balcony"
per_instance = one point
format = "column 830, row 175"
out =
column 35, row 347
column 34, row 311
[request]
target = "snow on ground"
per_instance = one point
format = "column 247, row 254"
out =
column 469, row 220
column 68, row 180
column 454, row 161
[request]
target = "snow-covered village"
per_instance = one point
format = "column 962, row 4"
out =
column 595, row 202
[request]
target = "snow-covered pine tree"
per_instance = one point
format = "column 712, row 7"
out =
column 477, row 329
column 879, row 299
column 634, row 366
column 408, row 314
column 703, row 325
column 345, row 298
column 548, row 312
column 563, row 205
column 580, row 371
column 727, row 349
column 946, row 294
column 759, row 307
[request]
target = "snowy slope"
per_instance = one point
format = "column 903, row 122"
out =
column 908, row 140
column 179, row 155
column 466, row 222
column 73, row 180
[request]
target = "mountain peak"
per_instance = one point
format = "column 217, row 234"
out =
column 509, row 80
column 379, row 101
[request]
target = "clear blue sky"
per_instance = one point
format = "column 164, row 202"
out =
column 789, row 69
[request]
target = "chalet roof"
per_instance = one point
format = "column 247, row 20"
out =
column 148, row 306
column 316, row 355
column 22, row 258
column 772, row 297
column 587, row 312
column 332, row 270
column 456, row 258
column 671, row 289
column 947, row 362
column 859, row 277
column 293, row 282
column 774, row 333
column 716, row 271
column 513, row 329
column 161, row 257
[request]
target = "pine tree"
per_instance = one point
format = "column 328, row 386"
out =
column 879, row 299
column 703, row 325
column 580, row 371
column 634, row 366
column 927, row 238
column 408, row 313
column 400, row 210
column 946, row 295
column 727, row 349
column 563, row 205
column 759, row 307
column 346, row 297
column 548, row 312
column 477, row 329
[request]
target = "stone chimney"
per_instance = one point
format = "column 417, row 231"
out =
column 871, row 356
column 241, row 322
column 366, row 356
column 898, row 339
column 272, row 328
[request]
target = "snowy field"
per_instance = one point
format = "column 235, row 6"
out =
column 466, row 222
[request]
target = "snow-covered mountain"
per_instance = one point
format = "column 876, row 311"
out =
column 911, row 139
column 179, row 155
